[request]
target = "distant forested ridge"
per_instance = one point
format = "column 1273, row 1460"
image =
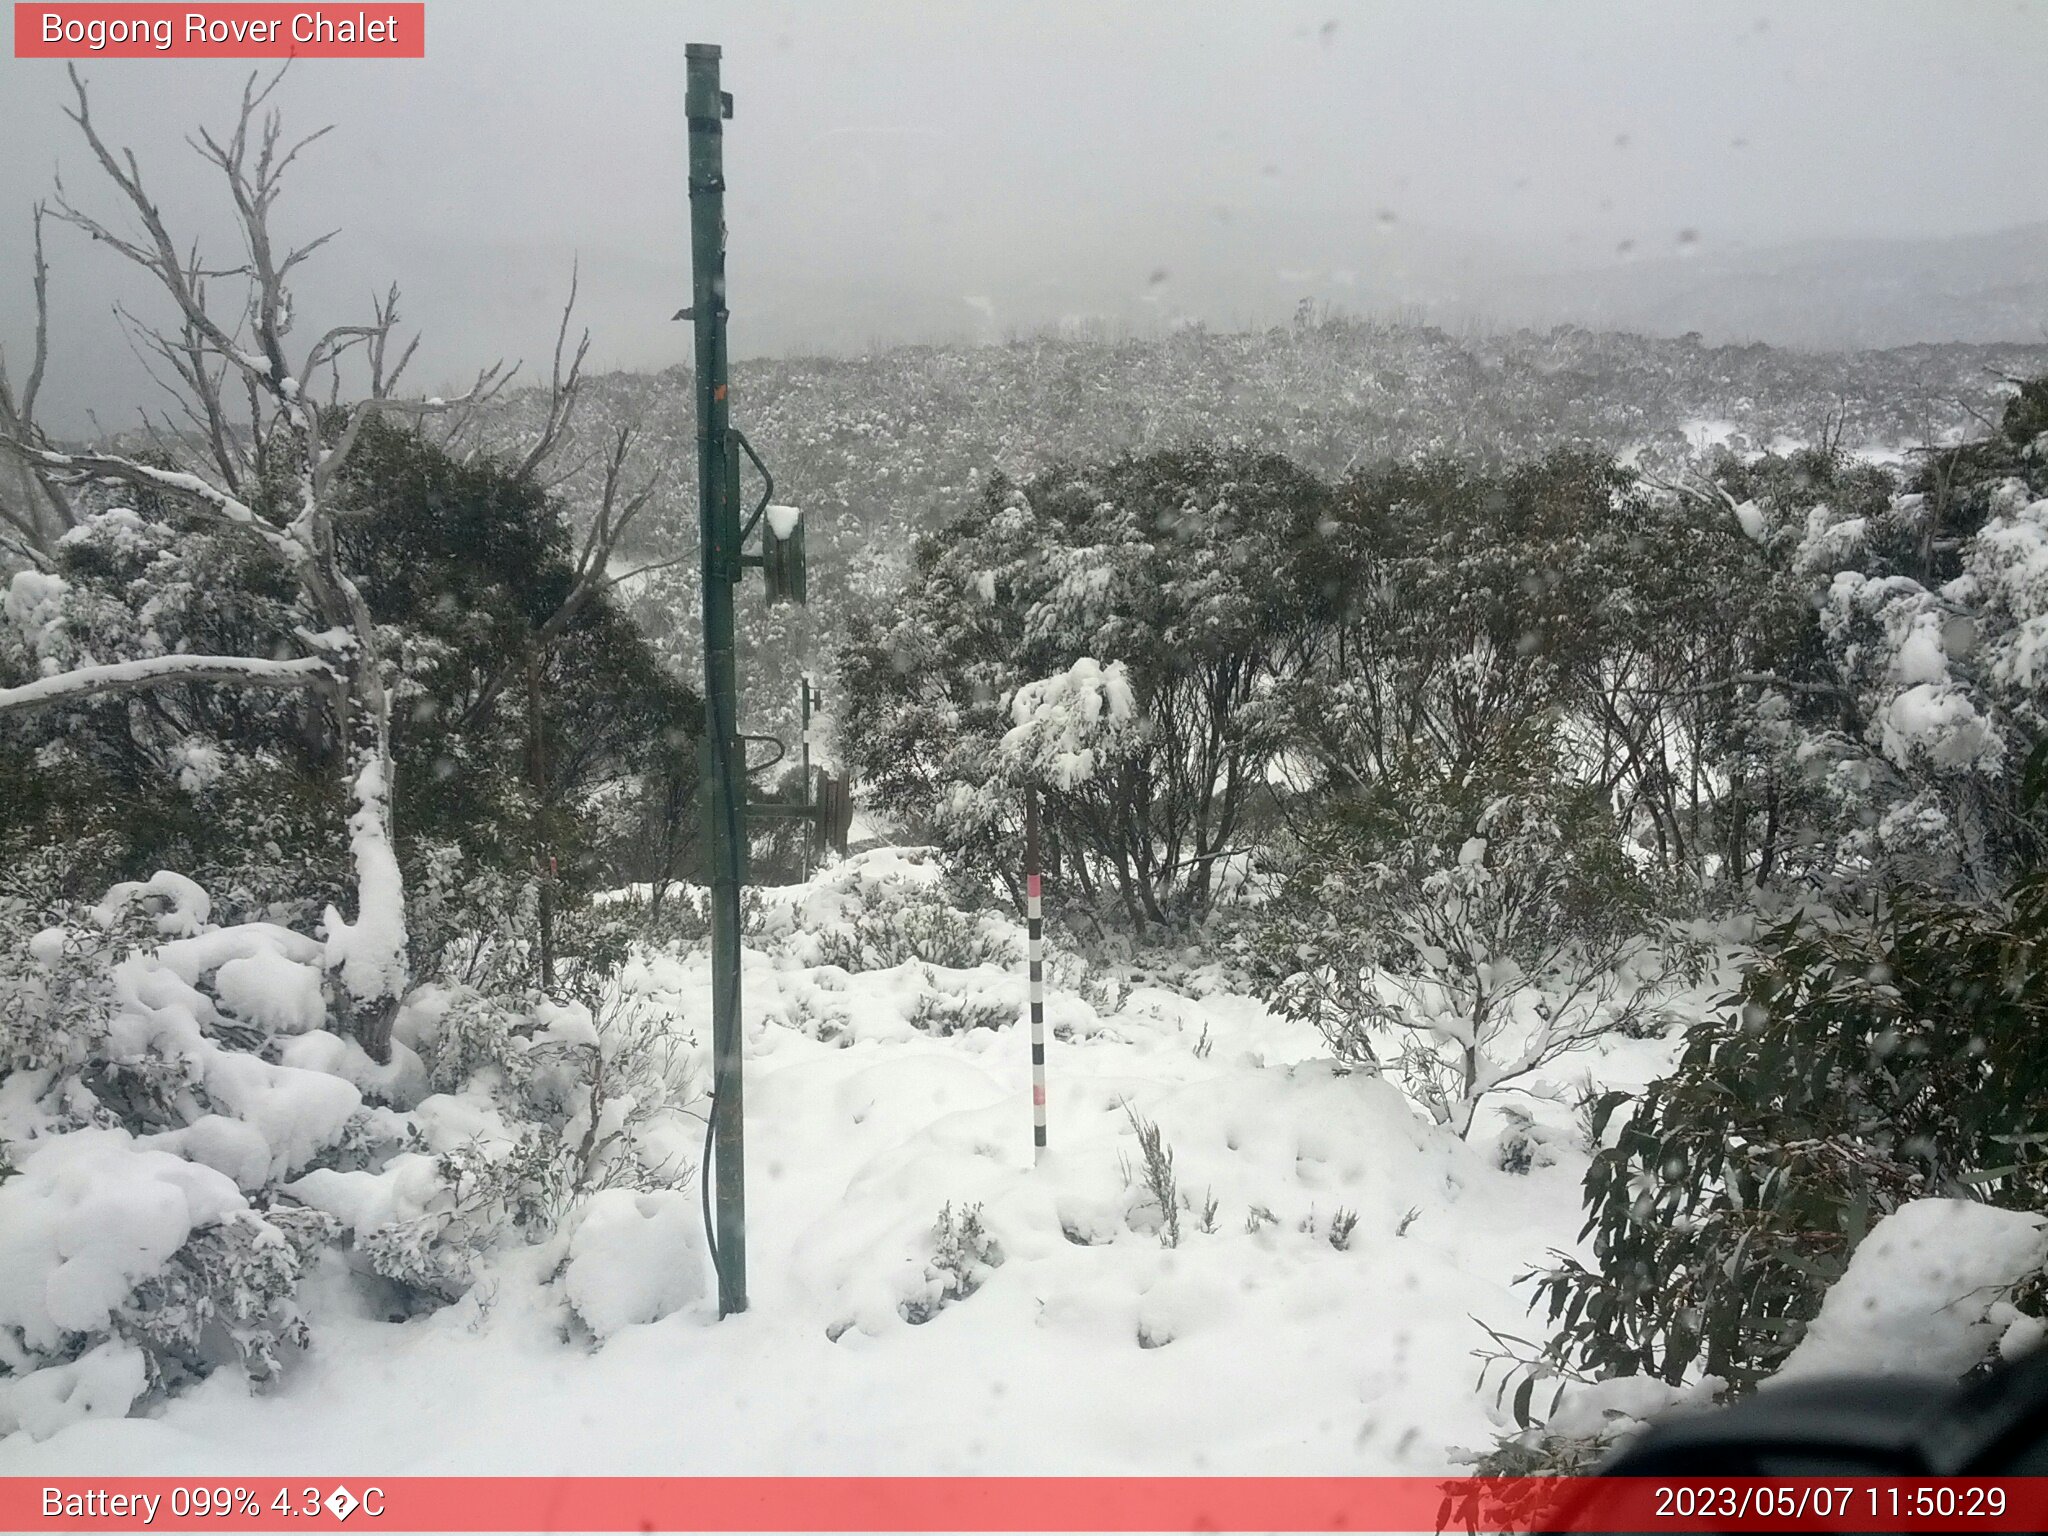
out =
column 879, row 447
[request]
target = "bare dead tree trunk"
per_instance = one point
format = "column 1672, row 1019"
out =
column 273, row 479
column 34, row 511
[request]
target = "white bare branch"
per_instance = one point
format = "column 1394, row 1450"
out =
column 44, row 510
column 563, row 390
column 209, row 501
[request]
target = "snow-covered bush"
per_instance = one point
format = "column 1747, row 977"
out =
column 1867, row 1062
column 462, row 563
column 1068, row 726
column 545, row 1105
column 195, row 779
column 1896, row 731
column 884, row 908
column 1462, row 938
column 184, row 1133
column 925, row 931
column 963, row 1256
column 945, row 1009
column 1937, row 1288
column 635, row 1256
column 155, row 1094
column 1103, row 635
column 1526, row 1144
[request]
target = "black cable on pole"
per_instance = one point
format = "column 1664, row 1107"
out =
column 722, row 744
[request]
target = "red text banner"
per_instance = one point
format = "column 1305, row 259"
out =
column 1015, row 1504
column 217, row 31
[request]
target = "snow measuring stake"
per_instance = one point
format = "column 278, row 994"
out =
column 722, row 780
column 1034, row 920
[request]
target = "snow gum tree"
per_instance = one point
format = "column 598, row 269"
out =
column 257, row 451
column 1184, row 578
column 1899, row 729
column 1887, row 1045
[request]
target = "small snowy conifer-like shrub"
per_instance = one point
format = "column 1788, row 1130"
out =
column 964, row 1254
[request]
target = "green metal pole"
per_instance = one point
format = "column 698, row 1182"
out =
column 723, row 785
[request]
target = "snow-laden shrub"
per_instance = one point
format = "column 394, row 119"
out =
column 964, row 1254
column 1897, row 729
column 1938, row 1287
column 150, row 1107
column 1068, row 725
column 182, row 1135
column 1866, row 1063
column 467, row 922
column 229, row 1293
column 1526, row 1144
column 883, row 908
column 668, row 916
column 216, row 782
column 1102, row 635
column 927, row 931
column 1464, row 938
column 952, row 1005
column 544, row 1105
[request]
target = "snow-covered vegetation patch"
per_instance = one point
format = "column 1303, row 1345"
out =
column 634, row 1257
column 182, row 1137
column 1504, row 900
column 912, row 1264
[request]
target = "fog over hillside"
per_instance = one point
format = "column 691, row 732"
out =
column 1809, row 175
column 1154, row 267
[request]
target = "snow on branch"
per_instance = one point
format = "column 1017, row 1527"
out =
column 1067, row 725
column 33, row 524
column 213, row 503
column 160, row 671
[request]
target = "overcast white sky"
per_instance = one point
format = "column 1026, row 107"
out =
column 892, row 160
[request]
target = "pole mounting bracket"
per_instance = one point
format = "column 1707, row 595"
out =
column 767, row 484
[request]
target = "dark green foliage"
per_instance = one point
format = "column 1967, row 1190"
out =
column 472, row 563
column 526, row 753
column 229, row 785
column 1890, row 1056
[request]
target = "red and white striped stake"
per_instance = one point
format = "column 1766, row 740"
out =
column 1034, row 916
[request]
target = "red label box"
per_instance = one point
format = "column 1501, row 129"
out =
column 372, row 30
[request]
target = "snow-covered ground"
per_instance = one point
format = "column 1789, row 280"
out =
column 1258, row 1346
